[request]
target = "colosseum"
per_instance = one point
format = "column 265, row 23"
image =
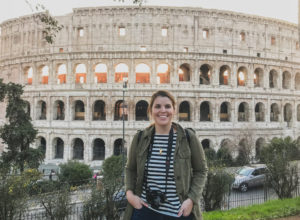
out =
column 236, row 77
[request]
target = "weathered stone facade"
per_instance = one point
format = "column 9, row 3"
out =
column 238, row 73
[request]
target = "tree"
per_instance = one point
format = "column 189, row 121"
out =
column 14, row 192
column 282, row 174
column 75, row 173
column 18, row 133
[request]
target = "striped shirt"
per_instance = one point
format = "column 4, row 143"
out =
column 156, row 178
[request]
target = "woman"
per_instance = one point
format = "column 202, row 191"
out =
column 166, row 169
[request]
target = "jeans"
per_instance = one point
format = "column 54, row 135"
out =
column 148, row 214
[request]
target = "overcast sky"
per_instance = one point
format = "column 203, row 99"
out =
column 281, row 9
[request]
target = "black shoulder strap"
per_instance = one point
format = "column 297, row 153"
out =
column 188, row 135
column 140, row 135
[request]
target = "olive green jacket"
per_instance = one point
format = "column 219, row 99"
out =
column 190, row 168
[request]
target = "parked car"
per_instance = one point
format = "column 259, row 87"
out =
column 249, row 176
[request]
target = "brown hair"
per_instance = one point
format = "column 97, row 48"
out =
column 161, row 93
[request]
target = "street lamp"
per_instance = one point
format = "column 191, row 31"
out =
column 125, row 80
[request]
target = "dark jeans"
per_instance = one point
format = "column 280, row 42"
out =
column 147, row 214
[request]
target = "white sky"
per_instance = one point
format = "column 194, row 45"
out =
column 281, row 9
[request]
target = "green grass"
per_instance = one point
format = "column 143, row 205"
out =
column 269, row 210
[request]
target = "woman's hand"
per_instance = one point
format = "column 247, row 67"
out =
column 186, row 208
column 135, row 201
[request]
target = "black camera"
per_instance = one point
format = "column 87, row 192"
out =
column 155, row 197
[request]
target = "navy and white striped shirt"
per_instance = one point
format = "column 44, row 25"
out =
column 156, row 178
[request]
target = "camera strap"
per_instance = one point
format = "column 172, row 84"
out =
column 168, row 156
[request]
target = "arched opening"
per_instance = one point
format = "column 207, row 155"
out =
column 141, row 111
column 288, row 112
column 28, row 74
column 78, row 148
column 242, row 76
column 120, row 111
column 79, row 110
column 61, row 74
column 298, row 112
column 205, row 143
column 121, row 72
column 80, row 73
column 142, row 73
column 59, row 110
column 100, row 73
column 163, row 73
column 43, row 73
column 274, row 116
column 205, row 74
column 118, row 147
column 184, row 73
column 99, row 111
column 205, row 111
column 243, row 112
column 41, row 110
column 273, row 79
column 98, row 149
column 58, row 148
column 260, row 142
column 297, row 81
column 286, row 80
column 224, row 75
column 258, row 77
column 259, row 112
column 184, row 111
column 41, row 144
column 225, row 111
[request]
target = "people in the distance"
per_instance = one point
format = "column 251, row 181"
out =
column 166, row 167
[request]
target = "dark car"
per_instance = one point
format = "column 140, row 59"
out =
column 249, row 176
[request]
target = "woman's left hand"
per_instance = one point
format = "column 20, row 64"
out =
column 186, row 208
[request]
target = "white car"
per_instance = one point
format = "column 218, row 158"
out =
column 249, row 176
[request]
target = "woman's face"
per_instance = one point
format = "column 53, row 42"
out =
column 162, row 111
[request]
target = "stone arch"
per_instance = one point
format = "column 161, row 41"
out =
column 205, row 74
column 225, row 110
column 43, row 74
column 242, row 76
column 61, row 71
column 58, row 148
column 28, row 75
column 141, row 108
column 163, row 73
column 98, row 149
column 206, row 143
column 79, row 110
column 41, row 144
column 99, row 112
column 78, row 149
column 184, row 111
column 275, row 112
column 59, row 110
column 142, row 73
column 121, row 72
column 224, row 75
column 100, row 73
column 297, row 81
column 41, row 110
column 287, row 112
column 260, row 112
column 286, row 80
column 118, row 147
column 260, row 142
column 120, row 108
column 258, row 77
column 205, row 111
column 184, row 72
column 80, row 73
column 273, row 79
column 243, row 111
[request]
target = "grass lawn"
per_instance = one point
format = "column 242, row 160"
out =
column 269, row 210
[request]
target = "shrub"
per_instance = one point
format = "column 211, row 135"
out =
column 75, row 173
column 224, row 156
column 243, row 157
